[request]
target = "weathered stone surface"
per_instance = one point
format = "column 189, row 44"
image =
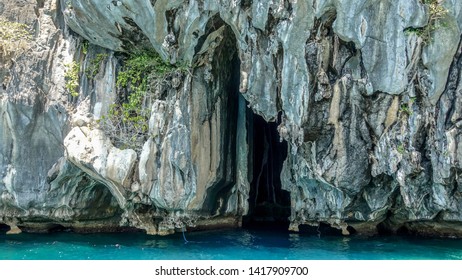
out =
column 92, row 152
column 369, row 106
column 14, row 230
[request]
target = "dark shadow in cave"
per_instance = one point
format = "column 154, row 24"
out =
column 94, row 202
column 53, row 228
column 4, row 228
column 269, row 205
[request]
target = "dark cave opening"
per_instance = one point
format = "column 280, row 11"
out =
column 53, row 228
column 269, row 204
column 4, row 228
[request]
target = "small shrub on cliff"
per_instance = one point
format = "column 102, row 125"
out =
column 436, row 13
column 85, row 45
column 95, row 63
column 14, row 37
column 127, row 120
column 72, row 78
column 400, row 148
column 405, row 109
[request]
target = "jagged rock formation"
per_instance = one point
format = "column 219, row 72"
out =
column 366, row 94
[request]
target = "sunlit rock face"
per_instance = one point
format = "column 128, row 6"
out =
column 366, row 95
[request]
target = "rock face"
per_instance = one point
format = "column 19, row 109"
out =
column 366, row 95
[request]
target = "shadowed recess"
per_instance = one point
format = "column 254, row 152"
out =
column 269, row 205
column 4, row 228
column 94, row 201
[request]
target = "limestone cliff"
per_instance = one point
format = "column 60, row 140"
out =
column 343, row 113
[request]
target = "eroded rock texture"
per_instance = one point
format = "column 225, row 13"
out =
column 366, row 94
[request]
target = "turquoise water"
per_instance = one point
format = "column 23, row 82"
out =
column 229, row 244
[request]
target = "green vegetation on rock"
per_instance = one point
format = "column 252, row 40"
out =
column 405, row 109
column 95, row 63
column 72, row 78
column 436, row 12
column 14, row 37
column 85, row 45
column 400, row 148
column 127, row 120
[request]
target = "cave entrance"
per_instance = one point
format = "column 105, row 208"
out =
column 269, row 205
column 4, row 228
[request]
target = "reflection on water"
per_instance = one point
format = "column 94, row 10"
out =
column 155, row 244
column 232, row 244
column 245, row 239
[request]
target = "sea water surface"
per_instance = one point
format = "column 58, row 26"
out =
column 224, row 244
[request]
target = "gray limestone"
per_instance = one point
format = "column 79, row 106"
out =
column 369, row 106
